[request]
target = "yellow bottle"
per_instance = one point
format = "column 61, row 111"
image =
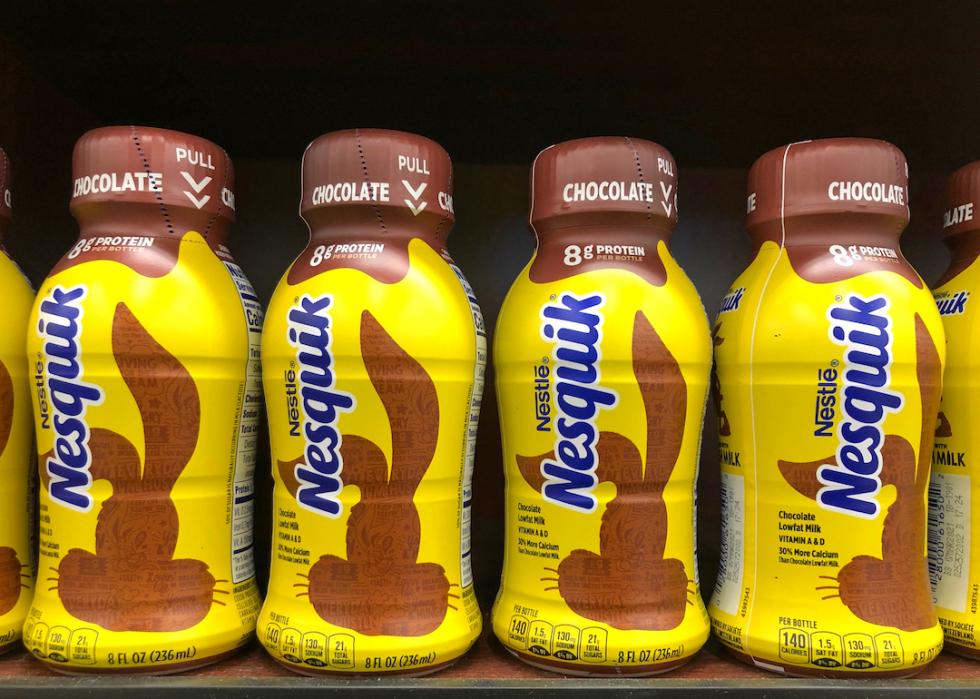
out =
column 373, row 356
column 143, row 344
column 602, row 355
column 829, row 354
column 954, row 551
column 16, row 439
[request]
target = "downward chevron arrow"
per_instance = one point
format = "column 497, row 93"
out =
column 666, row 190
column 198, row 202
column 416, row 210
column 196, row 186
column 415, row 193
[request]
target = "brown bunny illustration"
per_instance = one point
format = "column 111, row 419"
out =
column 629, row 584
column 381, row 588
column 132, row 582
column 892, row 590
column 12, row 573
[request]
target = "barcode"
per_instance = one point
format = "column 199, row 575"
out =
column 936, row 521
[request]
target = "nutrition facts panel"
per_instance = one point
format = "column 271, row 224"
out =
column 473, row 421
column 243, row 563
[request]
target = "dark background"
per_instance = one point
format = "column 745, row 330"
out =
column 717, row 83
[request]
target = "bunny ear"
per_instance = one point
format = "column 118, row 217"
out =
column 287, row 472
column 803, row 475
column 6, row 406
column 929, row 374
column 664, row 400
column 530, row 468
column 716, row 338
column 409, row 398
column 165, row 395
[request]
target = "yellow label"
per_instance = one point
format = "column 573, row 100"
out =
column 953, row 552
column 16, row 454
column 826, row 397
column 372, row 391
column 601, row 382
column 145, row 413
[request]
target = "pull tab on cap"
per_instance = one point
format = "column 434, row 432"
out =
column 140, row 164
column 579, row 182
column 829, row 176
column 385, row 176
column 962, row 197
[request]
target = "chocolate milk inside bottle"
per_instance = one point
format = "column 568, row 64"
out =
column 954, row 493
column 16, row 437
column 373, row 356
column 602, row 354
column 829, row 354
column 144, row 346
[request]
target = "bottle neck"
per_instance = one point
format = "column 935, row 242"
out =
column 607, row 233
column 144, row 219
column 570, row 250
column 340, row 224
column 964, row 248
column 824, row 230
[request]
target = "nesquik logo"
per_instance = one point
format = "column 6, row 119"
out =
column 319, row 475
column 60, row 326
column 850, row 482
column 892, row 590
column 629, row 584
column 133, row 582
column 574, row 324
column 381, row 588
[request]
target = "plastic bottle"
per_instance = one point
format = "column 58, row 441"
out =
column 145, row 407
column 373, row 356
column 602, row 355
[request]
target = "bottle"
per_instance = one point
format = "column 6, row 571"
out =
column 17, row 564
column 602, row 355
column 954, row 562
column 829, row 355
column 373, row 356
column 145, row 407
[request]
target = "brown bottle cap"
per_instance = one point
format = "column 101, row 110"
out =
column 5, row 211
column 584, row 181
column 138, row 164
column 381, row 176
column 829, row 176
column 962, row 196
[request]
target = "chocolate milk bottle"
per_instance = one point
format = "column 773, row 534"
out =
column 954, row 556
column 829, row 354
column 16, row 438
column 144, row 344
column 373, row 357
column 602, row 355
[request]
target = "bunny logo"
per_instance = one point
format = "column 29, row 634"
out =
column 12, row 573
column 132, row 582
column 381, row 588
column 629, row 584
column 892, row 590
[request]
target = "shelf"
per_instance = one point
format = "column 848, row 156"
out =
column 489, row 670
